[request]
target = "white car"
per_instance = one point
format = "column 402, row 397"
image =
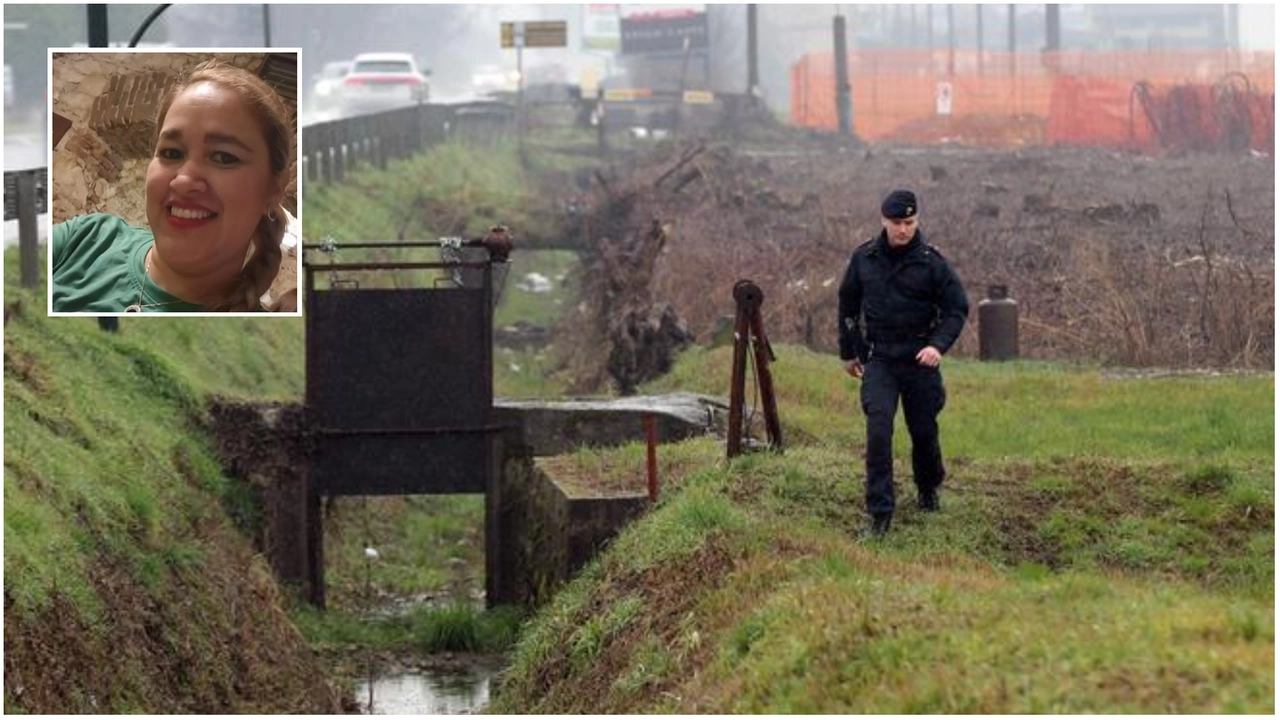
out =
column 327, row 92
column 489, row 79
column 382, row 81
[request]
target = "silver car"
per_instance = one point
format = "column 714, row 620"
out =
column 381, row 81
column 326, row 94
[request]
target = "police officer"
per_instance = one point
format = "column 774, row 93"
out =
column 901, row 309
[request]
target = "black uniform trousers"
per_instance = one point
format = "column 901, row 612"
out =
column 923, row 396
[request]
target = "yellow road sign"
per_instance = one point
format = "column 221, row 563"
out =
column 626, row 94
column 546, row 33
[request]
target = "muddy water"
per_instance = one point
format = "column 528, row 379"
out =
column 427, row 692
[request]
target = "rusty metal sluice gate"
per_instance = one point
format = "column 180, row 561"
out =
column 399, row 380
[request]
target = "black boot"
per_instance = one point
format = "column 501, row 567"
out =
column 928, row 501
column 880, row 525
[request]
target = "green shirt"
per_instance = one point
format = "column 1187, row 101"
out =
column 98, row 268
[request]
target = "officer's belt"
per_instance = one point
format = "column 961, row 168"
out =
column 895, row 336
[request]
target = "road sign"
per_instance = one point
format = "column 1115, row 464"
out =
column 550, row 33
column 699, row 97
column 626, row 94
column 659, row 32
column 944, row 98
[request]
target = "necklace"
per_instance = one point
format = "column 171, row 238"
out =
column 142, row 289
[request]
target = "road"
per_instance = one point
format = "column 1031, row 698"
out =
column 22, row 151
column 311, row 116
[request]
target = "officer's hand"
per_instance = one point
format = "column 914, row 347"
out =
column 929, row 356
column 853, row 367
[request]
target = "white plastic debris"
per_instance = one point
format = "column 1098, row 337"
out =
column 535, row 283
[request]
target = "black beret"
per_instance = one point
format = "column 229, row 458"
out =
column 899, row 204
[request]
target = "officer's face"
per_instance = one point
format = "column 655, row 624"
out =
column 900, row 231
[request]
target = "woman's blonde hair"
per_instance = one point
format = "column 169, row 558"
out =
column 277, row 128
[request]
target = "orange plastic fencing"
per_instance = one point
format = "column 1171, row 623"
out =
column 1224, row 117
column 1009, row 99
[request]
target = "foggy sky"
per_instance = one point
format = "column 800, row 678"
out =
column 454, row 40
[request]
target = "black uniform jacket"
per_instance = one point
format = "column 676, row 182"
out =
column 893, row 303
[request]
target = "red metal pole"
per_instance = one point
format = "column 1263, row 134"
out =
column 651, row 435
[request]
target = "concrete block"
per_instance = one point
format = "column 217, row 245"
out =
column 556, row 427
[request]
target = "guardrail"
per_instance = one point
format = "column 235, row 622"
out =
column 332, row 148
column 26, row 196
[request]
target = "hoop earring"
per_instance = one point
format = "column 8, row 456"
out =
column 271, row 216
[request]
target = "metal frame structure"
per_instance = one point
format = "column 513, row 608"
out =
column 399, row 393
column 748, row 329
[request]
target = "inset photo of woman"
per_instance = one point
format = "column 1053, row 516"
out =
column 175, row 187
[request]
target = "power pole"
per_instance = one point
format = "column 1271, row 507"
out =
column 844, row 94
column 1013, row 28
column 266, row 25
column 1053, row 28
column 928, row 31
column 1232, row 34
column 980, row 44
column 97, row 25
column 951, row 40
column 753, row 68
column 1013, row 40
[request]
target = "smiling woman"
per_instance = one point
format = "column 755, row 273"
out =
column 215, row 180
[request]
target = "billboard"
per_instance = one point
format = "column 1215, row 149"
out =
column 663, row 28
column 602, row 27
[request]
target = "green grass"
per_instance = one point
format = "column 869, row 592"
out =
column 536, row 308
column 526, row 374
column 97, row 425
column 426, row 544
column 120, row 542
column 531, row 372
column 450, row 189
column 1127, row 569
column 1024, row 409
column 427, row 629
column 984, row 643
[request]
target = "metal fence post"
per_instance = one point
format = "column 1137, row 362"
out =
column 28, row 236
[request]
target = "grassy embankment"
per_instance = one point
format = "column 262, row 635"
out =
column 127, row 586
column 123, row 567
column 1105, row 545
